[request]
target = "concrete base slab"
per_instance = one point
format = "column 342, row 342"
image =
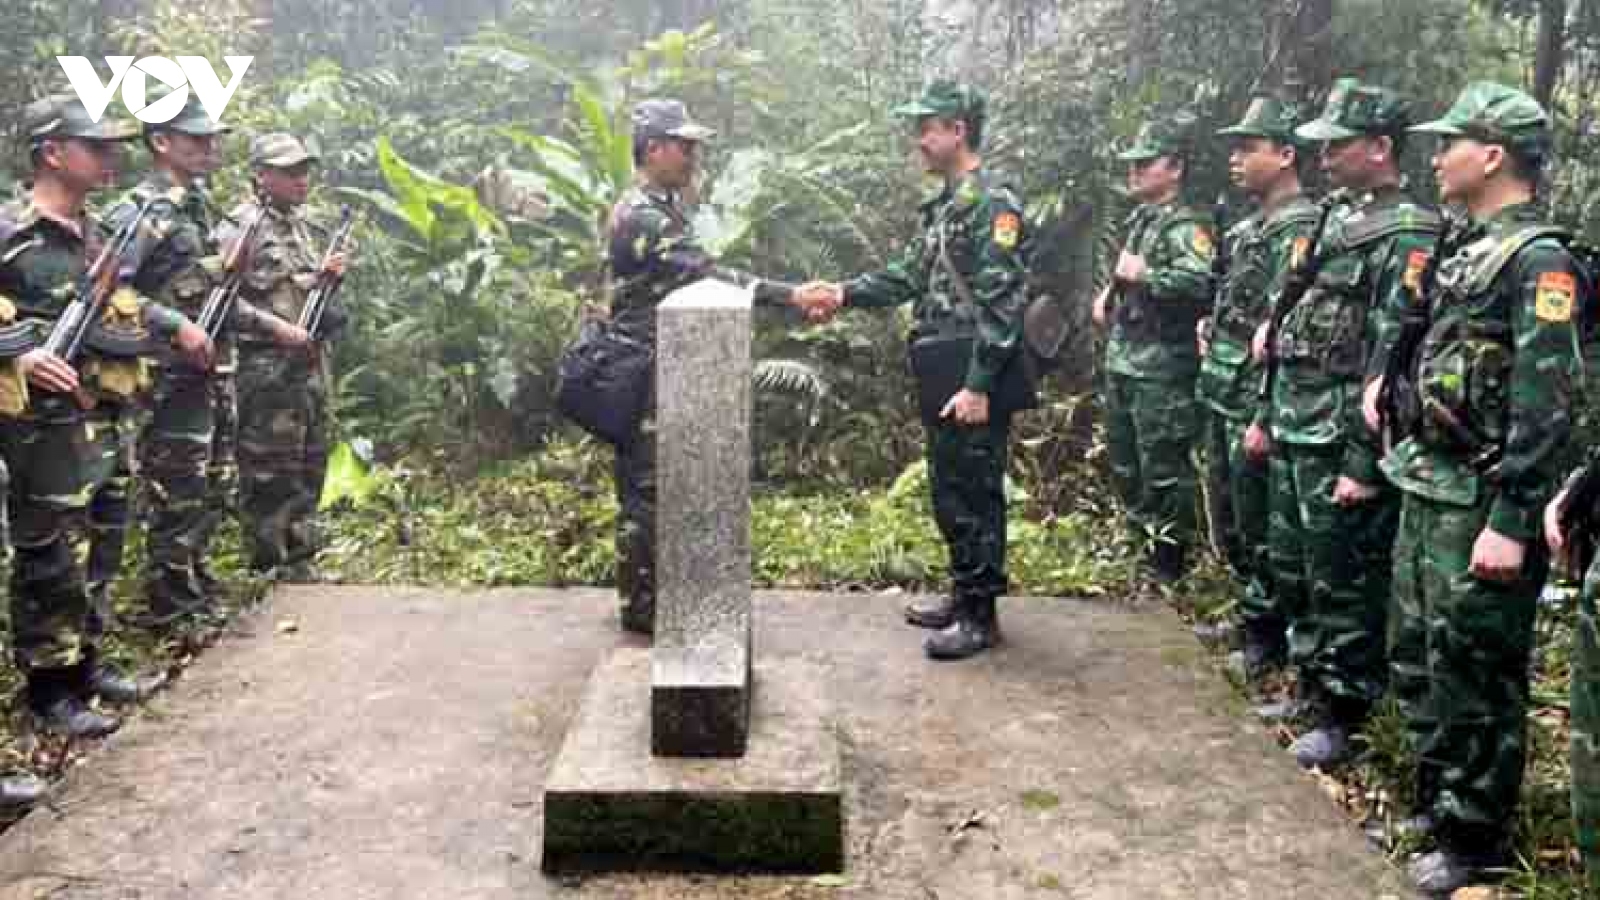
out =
column 610, row 805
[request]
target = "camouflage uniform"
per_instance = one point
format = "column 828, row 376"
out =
column 66, row 456
column 1152, row 419
column 1491, row 417
column 1330, row 563
column 1585, row 737
column 978, row 221
column 283, row 393
column 652, row 251
column 1261, row 250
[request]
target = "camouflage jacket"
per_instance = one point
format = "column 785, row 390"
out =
column 652, row 251
column 1261, row 250
column 282, row 268
column 1495, row 375
column 1336, row 339
column 1152, row 324
column 978, row 222
column 42, row 264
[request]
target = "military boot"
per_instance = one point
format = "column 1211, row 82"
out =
column 1266, row 647
column 1167, row 561
column 112, row 686
column 59, row 708
column 18, row 792
column 1444, row 871
column 638, row 613
column 974, row 630
column 937, row 613
column 1323, row 747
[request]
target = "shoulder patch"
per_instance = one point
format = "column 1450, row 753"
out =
column 1555, row 297
column 1416, row 264
column 1007, row 228
column 1202, row 242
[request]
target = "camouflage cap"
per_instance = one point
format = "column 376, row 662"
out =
column 947, row 99
column 667, row 118
column 1495, row 114
column 279, row 150
column 64, row 116
column 192, row 119
column 1161, row 137
column 1354, row 109
column 1267, row 117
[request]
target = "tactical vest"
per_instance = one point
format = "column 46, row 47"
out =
column 1326, row 331
column 1137, row 318
column 1250, row 273
column 1462, row 370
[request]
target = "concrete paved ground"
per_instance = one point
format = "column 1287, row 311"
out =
column 394, row 745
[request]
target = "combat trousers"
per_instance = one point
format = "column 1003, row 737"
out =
column 1331, row 578
column 110, row 513
column 1460, row 649
column 55, row 468
column 1151, row 427
column 283, row 453
column 634, row 474
column 222, row 468
column 966, row 474
column 175, row 461
column 1585, row 748
column 1241, row 492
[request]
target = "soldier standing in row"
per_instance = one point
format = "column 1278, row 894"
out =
column 1265, row 163
column 1333, row 516
column 1160, row 290
column 1585, row 691
column 1493, row 378
column 283, row 390
column 964, row 275
column 68, row 437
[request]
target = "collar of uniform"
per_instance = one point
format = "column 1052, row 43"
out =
column 964, row 188
column 1515, row 214
column 657, row 194
column 31, row 217
column 161, row 183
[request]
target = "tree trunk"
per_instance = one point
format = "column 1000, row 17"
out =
column 1551, row 52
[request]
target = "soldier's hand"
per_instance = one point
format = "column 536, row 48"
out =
column 1349, row 492
column 967, row 408
column 1101, row 301
column 1257, row 443
column 1131, row 268
column 1496, row 557
column 289, row 335
column 1202, row 336
column 1258, row 344
column 1553, row 535
column 48, row 371
column 195, row 345
column 336, row 265
column 1369, row 405
column 819, row 300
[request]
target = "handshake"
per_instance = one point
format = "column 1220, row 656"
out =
column 818, row 300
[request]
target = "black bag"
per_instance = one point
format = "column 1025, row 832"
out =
column 604, row 381
column 940, row 366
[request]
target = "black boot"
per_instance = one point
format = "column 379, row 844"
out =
column 1266, row 647
column 1167, row 561
column 974, row 630
column 19, row 792
column 55, row 699
column 114, row 687
column 638, row 613
column 1446, row 870
column 937, row 613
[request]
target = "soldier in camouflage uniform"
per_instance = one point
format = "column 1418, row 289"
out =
column 1585, row 697
column 964, row 274
column 1160, row 291
column 1333, row 516
column 66, row 440
column 185, row 451
column 1264, row 162
column 1489, row 418
column 283, row 391
column 653, row 251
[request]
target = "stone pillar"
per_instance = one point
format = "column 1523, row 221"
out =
column 701, row 665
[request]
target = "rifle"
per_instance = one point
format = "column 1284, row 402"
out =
column 219, row 306
column 1578, row 516
column 1295, row 287
column 1115, row 301
column 1397, row 367
column 88, row 306
column 1221, row 260
column 328, row 284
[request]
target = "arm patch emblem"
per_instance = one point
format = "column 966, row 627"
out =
column 1554, row 299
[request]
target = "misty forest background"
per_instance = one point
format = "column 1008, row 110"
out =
column 486, row 140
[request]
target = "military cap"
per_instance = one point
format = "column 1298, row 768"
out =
column 64, row 116
column 192, row 120
column 1267, row 117
column 1495, row 114
column 1353, row 109
column 947, row 99
column 1160, row 137
column 279, row 150
column 667, row 119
